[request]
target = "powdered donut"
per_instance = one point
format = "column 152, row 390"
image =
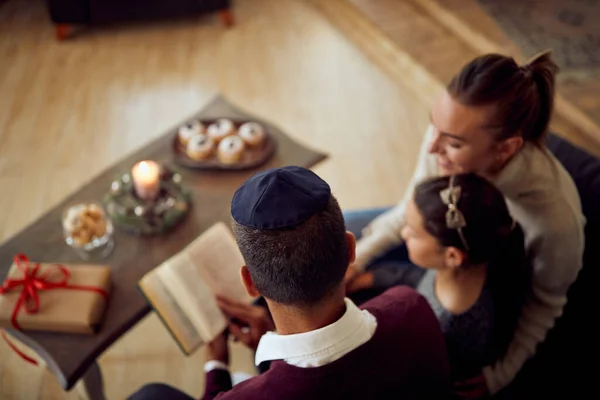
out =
column 189, row 130
column 231, row 149
column 200, row 147
column 221, row 129
column 252, row 133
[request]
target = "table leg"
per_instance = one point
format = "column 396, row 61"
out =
column 63, row 31
column 91, row 386
column 227, row 18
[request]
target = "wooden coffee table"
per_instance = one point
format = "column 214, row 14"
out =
column 73, row 357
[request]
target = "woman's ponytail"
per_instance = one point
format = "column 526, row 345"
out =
column 542, row 72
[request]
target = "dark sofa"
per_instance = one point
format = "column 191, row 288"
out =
column 565, row 363
column 65, row 13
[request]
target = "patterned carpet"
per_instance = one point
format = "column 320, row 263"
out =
column 570, row 27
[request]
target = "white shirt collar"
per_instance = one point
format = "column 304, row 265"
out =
column 321, row 346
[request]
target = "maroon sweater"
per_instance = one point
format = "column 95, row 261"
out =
column 405, row 358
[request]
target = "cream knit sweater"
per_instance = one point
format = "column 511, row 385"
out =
column 542, row 197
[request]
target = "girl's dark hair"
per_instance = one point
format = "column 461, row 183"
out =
column 489, row 223
column 491, row 236
column 523, row 96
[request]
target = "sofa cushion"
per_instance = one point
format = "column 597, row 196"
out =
column 585, row 171
column 559, row 367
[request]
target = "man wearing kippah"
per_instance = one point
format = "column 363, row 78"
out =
column 291, row 232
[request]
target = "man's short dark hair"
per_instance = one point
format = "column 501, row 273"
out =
column 299, row 265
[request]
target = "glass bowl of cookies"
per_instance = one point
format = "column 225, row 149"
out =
column 88, row 231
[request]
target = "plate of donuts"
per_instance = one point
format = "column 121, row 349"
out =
column 223, row 144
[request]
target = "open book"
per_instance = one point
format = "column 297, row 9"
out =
column 181, row 290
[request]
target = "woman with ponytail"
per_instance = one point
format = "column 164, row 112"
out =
column 458, row 229
column 492, row 120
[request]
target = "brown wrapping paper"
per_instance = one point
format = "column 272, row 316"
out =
column 61, row 310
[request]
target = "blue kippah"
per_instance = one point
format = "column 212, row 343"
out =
column 279, row 198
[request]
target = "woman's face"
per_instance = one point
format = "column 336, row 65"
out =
column 423, row 248
column 461, row 142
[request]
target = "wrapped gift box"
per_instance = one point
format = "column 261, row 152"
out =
column 71, row 310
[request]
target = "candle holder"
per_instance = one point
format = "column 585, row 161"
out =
column 154, row 216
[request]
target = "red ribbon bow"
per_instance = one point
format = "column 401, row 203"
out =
column 32, row 283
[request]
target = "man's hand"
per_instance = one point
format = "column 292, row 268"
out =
column 217, row 349
column 361, row 281
column 255, row 321
column 472, row 388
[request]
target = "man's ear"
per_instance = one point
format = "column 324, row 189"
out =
column 351, row 239
column 454, row 257
column 248, row 282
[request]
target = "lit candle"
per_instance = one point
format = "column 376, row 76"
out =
column 146, row 179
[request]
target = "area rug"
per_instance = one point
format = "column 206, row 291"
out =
column 570, row 27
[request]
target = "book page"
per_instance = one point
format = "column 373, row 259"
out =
column 209, row 265
column 171, row 313
column 195, row 297
column 218, row 259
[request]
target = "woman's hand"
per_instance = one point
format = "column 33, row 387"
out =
column 361, row 281
column 472, row 388
column 255, row 321
column 351, row 273
column 356, row 280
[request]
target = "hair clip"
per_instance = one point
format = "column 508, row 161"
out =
column 454, row 217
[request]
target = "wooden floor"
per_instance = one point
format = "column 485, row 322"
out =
column 427, row 41
column 68, row 110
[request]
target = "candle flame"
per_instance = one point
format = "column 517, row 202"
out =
column 144, row 167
